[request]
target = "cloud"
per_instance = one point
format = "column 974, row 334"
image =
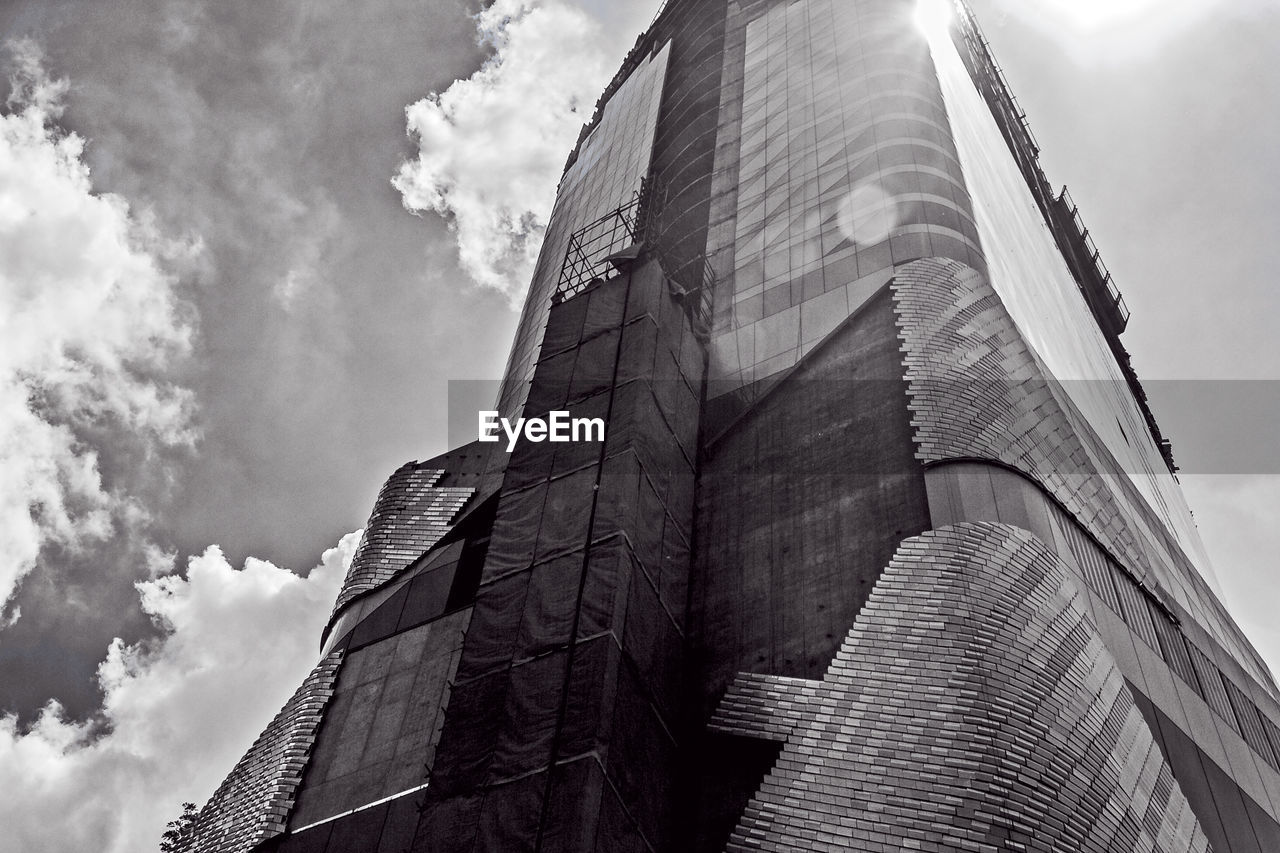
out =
column 1236, row 515
column 319, row 299
column 492, row 147
column 306, row 272
column 89, row 321
column 178, row 712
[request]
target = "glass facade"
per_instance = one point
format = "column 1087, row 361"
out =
column 834, row 165
column 610, row 165
column 1028, row 272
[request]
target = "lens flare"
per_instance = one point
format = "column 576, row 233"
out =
column 867, row 215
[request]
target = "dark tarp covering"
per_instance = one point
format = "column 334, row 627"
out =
column 646, row 298
column 541, row 521
column 564, row 329
column 638, row 348
column 618, row 832
column 638, row 425
column 604, row 310
column 529, row 712
column 574, row 806
column 550, row 605
column 356, row 833
column 642, row 785
column 532, row 462
column 553, row 392
column 567, row 514
column 495, row 626
column 592, row 312
column 398, row 830
column 515, row 532
column 588, row 718
column 449, row 825
column 573, row 662
column 594, row 368
column 651, row 638
column 471, row 728
column 604, row 598
column 509, row 818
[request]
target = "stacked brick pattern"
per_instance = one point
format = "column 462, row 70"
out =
column 768, row 707
column 410, row 515
column 973, row 706
column 975, row 491
column 252, row 804
column 976, row 390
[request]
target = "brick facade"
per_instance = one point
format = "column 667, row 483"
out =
column 253, row 803
column 410, row 515
column 973, row 706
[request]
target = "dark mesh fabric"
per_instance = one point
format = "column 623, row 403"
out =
column 568, row 692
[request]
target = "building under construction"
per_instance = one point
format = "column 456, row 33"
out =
column 883, row 549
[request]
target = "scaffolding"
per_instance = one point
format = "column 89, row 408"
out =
column 601, row 249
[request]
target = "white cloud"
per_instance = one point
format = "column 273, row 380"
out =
column 306, row 268
column 88, row 320
column 492, row 147
column 180, row 711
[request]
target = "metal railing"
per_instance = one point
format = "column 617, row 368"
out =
column 597, row 251
column 586, row 260
column 1069, row 231
column 1060, row 212
column 1100, row 288
column 662, row 7
column 698, row 282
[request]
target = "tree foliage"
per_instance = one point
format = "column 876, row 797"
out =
column 180, row 832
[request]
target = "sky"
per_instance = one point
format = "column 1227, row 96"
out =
column 245, row 246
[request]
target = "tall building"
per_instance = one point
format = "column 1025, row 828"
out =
column 882, row 550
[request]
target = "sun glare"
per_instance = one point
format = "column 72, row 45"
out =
column 1103, row 14
column 934, row 17
column 1093, row 32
